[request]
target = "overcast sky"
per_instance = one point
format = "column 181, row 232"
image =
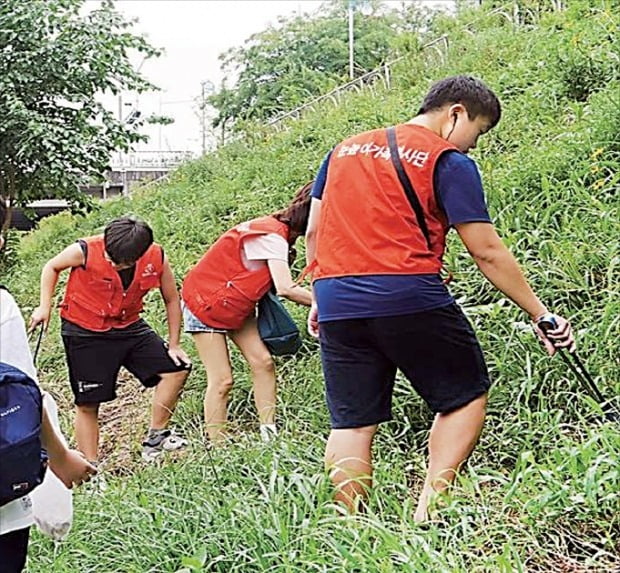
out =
column 193, row 34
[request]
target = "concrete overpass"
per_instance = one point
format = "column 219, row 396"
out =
column 127, row 171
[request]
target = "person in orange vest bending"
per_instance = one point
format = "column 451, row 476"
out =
column 219, row 302
column 102, row 329
column 382, row 205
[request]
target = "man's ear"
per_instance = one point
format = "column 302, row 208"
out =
column 455, row 109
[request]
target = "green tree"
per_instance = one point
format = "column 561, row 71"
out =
column 56, row 58
column 301, row 57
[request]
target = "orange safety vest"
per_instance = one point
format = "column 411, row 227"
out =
column 95, row 298
column 367, row 225
column 219, row 290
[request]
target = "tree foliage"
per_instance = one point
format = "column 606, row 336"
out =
column 301, row 57
column 56, row 58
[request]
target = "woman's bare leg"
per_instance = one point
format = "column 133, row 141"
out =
column 262, row 368
column 213, row 352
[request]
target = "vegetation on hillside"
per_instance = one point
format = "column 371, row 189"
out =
column 306, row 55
column 541, row 491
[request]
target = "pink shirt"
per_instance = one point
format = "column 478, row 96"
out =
column 258, row 250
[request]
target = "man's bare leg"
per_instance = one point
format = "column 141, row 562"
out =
column 86, row 427
column 348, row 458
column 165, row 398
column 452, row 438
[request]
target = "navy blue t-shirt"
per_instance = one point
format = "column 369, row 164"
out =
column 459, row 192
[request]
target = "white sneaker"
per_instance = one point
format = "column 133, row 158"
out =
column 97, row 485
column 268, row 432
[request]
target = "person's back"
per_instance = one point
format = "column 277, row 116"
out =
column 376, row 247
column 364, row 191
column 222, row 289
column 220, row 294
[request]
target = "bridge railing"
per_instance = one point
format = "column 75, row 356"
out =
column 158, row 160
column 381, row 76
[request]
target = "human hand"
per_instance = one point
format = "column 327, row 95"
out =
column 72, row 468
column 313, row 321
column 178, row 356
column 292, row 255
column 555, row 332
column 41, row 315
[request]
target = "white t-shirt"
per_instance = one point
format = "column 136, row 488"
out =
column 258, row 250
column 14, row 350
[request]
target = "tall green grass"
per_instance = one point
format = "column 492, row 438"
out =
column 541, row 493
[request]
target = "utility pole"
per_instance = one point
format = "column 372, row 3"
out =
column 125, row 189
column 203, row 116
column 365, row 7
column 351, row 62
column 206, row 89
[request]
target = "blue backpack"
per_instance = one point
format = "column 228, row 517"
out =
column 276, row 327
column 22, row 460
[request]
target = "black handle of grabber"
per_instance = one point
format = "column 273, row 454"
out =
column 35, row 354
column 576, row 366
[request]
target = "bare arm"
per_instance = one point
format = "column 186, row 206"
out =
column 311, row 238
column 71, row 257
column 311, row 231
column 498, row 265
column 285, row 286
column 170, row 294
column 69, row 465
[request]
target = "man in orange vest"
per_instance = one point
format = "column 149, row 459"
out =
column 382, row 205
column 102, row 329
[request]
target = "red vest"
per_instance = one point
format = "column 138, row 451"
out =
column 95, row 298
column 367, row 225
column 219, row 290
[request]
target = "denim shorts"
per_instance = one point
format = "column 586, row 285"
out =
column 194, row 325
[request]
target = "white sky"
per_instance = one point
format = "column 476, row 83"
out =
column 193, row 34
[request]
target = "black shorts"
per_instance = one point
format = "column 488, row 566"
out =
column 14, row 550
column 94, row 363
column 436, row 350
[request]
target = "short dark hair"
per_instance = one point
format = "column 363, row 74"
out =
column 126, row 239
column 477, row 98
column 297, row 213
column 3, row 212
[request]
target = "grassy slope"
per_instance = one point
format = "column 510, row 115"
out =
column 541, row 491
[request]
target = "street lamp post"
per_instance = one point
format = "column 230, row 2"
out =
column 365, row 8
column 351, row 62
column 206, row 89
column 121, row 167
